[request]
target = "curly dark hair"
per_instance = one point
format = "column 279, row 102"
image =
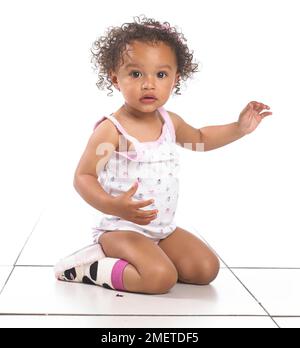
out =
column 107, row 51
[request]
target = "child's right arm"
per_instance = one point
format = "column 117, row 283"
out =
column 87, row 185
column 86, row 174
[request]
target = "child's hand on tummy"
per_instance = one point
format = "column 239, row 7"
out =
column 127, row 209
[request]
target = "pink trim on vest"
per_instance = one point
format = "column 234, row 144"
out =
column 126, row 135
column 118, row 126
column 121, row 129
column 117, row 274
column 168, row 123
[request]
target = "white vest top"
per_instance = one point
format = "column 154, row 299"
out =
column 155, row 165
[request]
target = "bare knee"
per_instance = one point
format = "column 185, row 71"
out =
column 209, row 271
column 160, row 278
column 199, row 272
column 156, row 273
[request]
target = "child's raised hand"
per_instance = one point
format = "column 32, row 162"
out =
column 251, row 117
column 127, row 209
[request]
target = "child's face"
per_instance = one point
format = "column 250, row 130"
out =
column 152, row 70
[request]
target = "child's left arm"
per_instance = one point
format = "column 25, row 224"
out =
column 213, row 137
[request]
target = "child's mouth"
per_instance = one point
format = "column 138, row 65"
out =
column 148, row 100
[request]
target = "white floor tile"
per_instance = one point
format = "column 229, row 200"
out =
column 65, row 226
column 16, row 224
column 133, row 322
column 246, row 247
column 277, row 290
column 288, row 323
column 4, row 273
column 33, row 290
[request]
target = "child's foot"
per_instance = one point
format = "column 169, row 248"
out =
column 80, row 266
column 91, row 266
column 85, row 273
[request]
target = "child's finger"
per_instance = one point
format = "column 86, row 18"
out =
column 260, row 106
column 257, row 106
column 132, row 189
column 264, row 114
column 144, row 203
column 264, row 107
column 146, row 213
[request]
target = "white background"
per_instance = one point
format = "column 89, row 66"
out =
column 244, row 198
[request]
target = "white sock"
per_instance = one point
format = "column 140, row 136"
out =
column 88, row 254
column 105, row 271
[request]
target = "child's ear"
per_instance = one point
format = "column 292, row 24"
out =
column 177, row 79
column 114, row 79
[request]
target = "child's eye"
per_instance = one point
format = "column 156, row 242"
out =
column 161, row 74
column 135, row 74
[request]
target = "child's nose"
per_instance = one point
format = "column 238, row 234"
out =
column 148, row 82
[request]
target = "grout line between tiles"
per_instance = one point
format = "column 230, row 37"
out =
column 30, row 234
column 275, row 322
column 251, row 294
column 26, row 241
column 7, row 279
column 42, row 266
column 222, row 267
column 245, row 287
column 286, row 316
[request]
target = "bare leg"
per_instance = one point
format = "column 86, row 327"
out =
column 149, row 271
column 132, row 279
column 195, row 262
